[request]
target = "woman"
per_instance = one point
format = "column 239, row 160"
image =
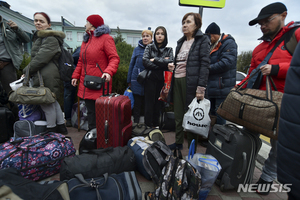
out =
column 45, row 53
column 97, row 50
column 156, row 58
column 135, row 67
column 190, row 72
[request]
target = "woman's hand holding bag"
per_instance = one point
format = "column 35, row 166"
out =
column 196, row 119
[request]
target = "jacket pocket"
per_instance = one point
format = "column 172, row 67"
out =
column 221, row 84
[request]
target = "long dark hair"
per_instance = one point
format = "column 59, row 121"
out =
column 165, row 42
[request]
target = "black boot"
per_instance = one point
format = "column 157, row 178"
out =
column 52, row 129
column 61, row 128
column 263, row 187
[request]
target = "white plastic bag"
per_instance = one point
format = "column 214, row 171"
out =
column 196, row 119
column 16, row 84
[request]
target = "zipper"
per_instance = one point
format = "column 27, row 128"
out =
column 220, row 150
column 133, row 185
column 241, row 111
column 119, row 187
column 85, row 60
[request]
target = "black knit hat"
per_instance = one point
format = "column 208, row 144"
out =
column 213, row 28
column 267, row 11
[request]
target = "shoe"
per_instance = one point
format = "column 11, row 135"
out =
column 263, row 187
column 52, row 129
column 174, row 146
column 61, row 128
column 68, row 123
column 203, row 143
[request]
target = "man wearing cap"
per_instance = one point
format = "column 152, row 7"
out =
column 271, row 20
column 11, row 38
column 222, row 72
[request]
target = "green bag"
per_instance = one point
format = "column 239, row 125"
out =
column 32, row 95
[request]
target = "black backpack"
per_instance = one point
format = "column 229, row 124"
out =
column 65, row 65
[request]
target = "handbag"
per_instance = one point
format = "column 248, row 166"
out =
column 196, row 119
column 93, row 82
column 143, row 75
column 256, row 110
column 32, row 95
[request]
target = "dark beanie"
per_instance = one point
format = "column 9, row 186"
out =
column 95, row 20
column 213, row 28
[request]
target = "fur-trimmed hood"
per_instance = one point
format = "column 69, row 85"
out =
column 50, row 32
column 100, row 30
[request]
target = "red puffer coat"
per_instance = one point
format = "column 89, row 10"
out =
column 95, row 49
column 280, row 57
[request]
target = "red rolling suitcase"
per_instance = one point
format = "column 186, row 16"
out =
column 113, row 120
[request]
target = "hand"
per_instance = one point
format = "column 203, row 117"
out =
column 167, row 58
column 23, row 75
column 12, row 24
column 266, row 69
column 74, row 82
column 200, row 96
column 129, row 84
column 106, row 76
column 171, row 66
column 152, row 59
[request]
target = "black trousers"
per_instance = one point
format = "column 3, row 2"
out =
column 138, row 105
column 91, row 114
column 152, row 104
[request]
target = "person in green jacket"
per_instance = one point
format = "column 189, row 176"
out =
column 11, row 56
column 45, row 54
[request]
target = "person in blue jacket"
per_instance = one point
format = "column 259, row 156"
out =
column 135, row 67
column 288, row 151
column 222, row 72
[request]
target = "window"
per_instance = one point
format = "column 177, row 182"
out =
column 69, row 35
column 133, row 40
column 80, row 36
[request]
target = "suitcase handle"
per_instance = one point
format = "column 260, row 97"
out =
column 240, row 174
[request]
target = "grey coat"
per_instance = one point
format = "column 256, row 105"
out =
column 13, row 38
column 44, row 54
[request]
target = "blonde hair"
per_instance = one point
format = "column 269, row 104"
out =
column 149, row 32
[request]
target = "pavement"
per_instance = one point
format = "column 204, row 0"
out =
column 215, row 193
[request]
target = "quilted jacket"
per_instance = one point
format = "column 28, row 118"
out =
column 99, row 48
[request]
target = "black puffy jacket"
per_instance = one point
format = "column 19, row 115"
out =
column 197, row 67
column 222, row 72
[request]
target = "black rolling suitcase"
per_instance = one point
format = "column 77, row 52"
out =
column 7, row 120
column 236, row 150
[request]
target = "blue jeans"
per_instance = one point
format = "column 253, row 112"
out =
column 269, row 172
column 214, row 105
column 69, row 96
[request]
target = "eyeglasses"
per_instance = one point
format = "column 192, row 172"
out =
column 266, row 22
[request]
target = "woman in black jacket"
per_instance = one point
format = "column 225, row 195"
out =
column 156, row 59
column 190, row 72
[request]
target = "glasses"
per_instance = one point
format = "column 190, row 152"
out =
column 266, row 22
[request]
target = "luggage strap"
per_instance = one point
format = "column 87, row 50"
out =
column 91, row 184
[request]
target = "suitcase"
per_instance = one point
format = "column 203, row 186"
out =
column 113, row 119
column 236, row 150
column 7, row 120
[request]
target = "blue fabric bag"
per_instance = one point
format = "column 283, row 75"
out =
column 128, row 93
column 114, row 186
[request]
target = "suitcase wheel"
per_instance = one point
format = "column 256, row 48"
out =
column 222, row 187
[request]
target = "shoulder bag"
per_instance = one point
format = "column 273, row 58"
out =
column 256, row 110
column 93, row 82
column 143, row 75
column 32, row 95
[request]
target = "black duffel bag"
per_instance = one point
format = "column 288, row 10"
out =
column 95, row 163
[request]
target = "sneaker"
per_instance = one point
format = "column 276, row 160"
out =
column 52, row 129
column 174, row 146
column 263, row 187
column 61, row 128
column 68, row 123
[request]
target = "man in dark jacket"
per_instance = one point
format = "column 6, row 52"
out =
column 288, row 160
column 11, row 38
column 222, row 72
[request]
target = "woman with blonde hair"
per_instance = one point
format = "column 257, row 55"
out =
column 135, row 67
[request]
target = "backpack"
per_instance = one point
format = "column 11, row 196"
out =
column 154, row 159
column 178, row 180
column 290, row 41
column 65, row 65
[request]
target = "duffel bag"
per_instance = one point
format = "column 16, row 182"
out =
column 115, row 186
column 95, row 163
column 36, row 157
column 153, row 134
column 256, row 110
column 14, row 186
column 138, row 145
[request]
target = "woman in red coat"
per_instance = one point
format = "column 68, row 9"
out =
column 97, row 50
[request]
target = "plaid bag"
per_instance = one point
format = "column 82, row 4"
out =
column 36, row 157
